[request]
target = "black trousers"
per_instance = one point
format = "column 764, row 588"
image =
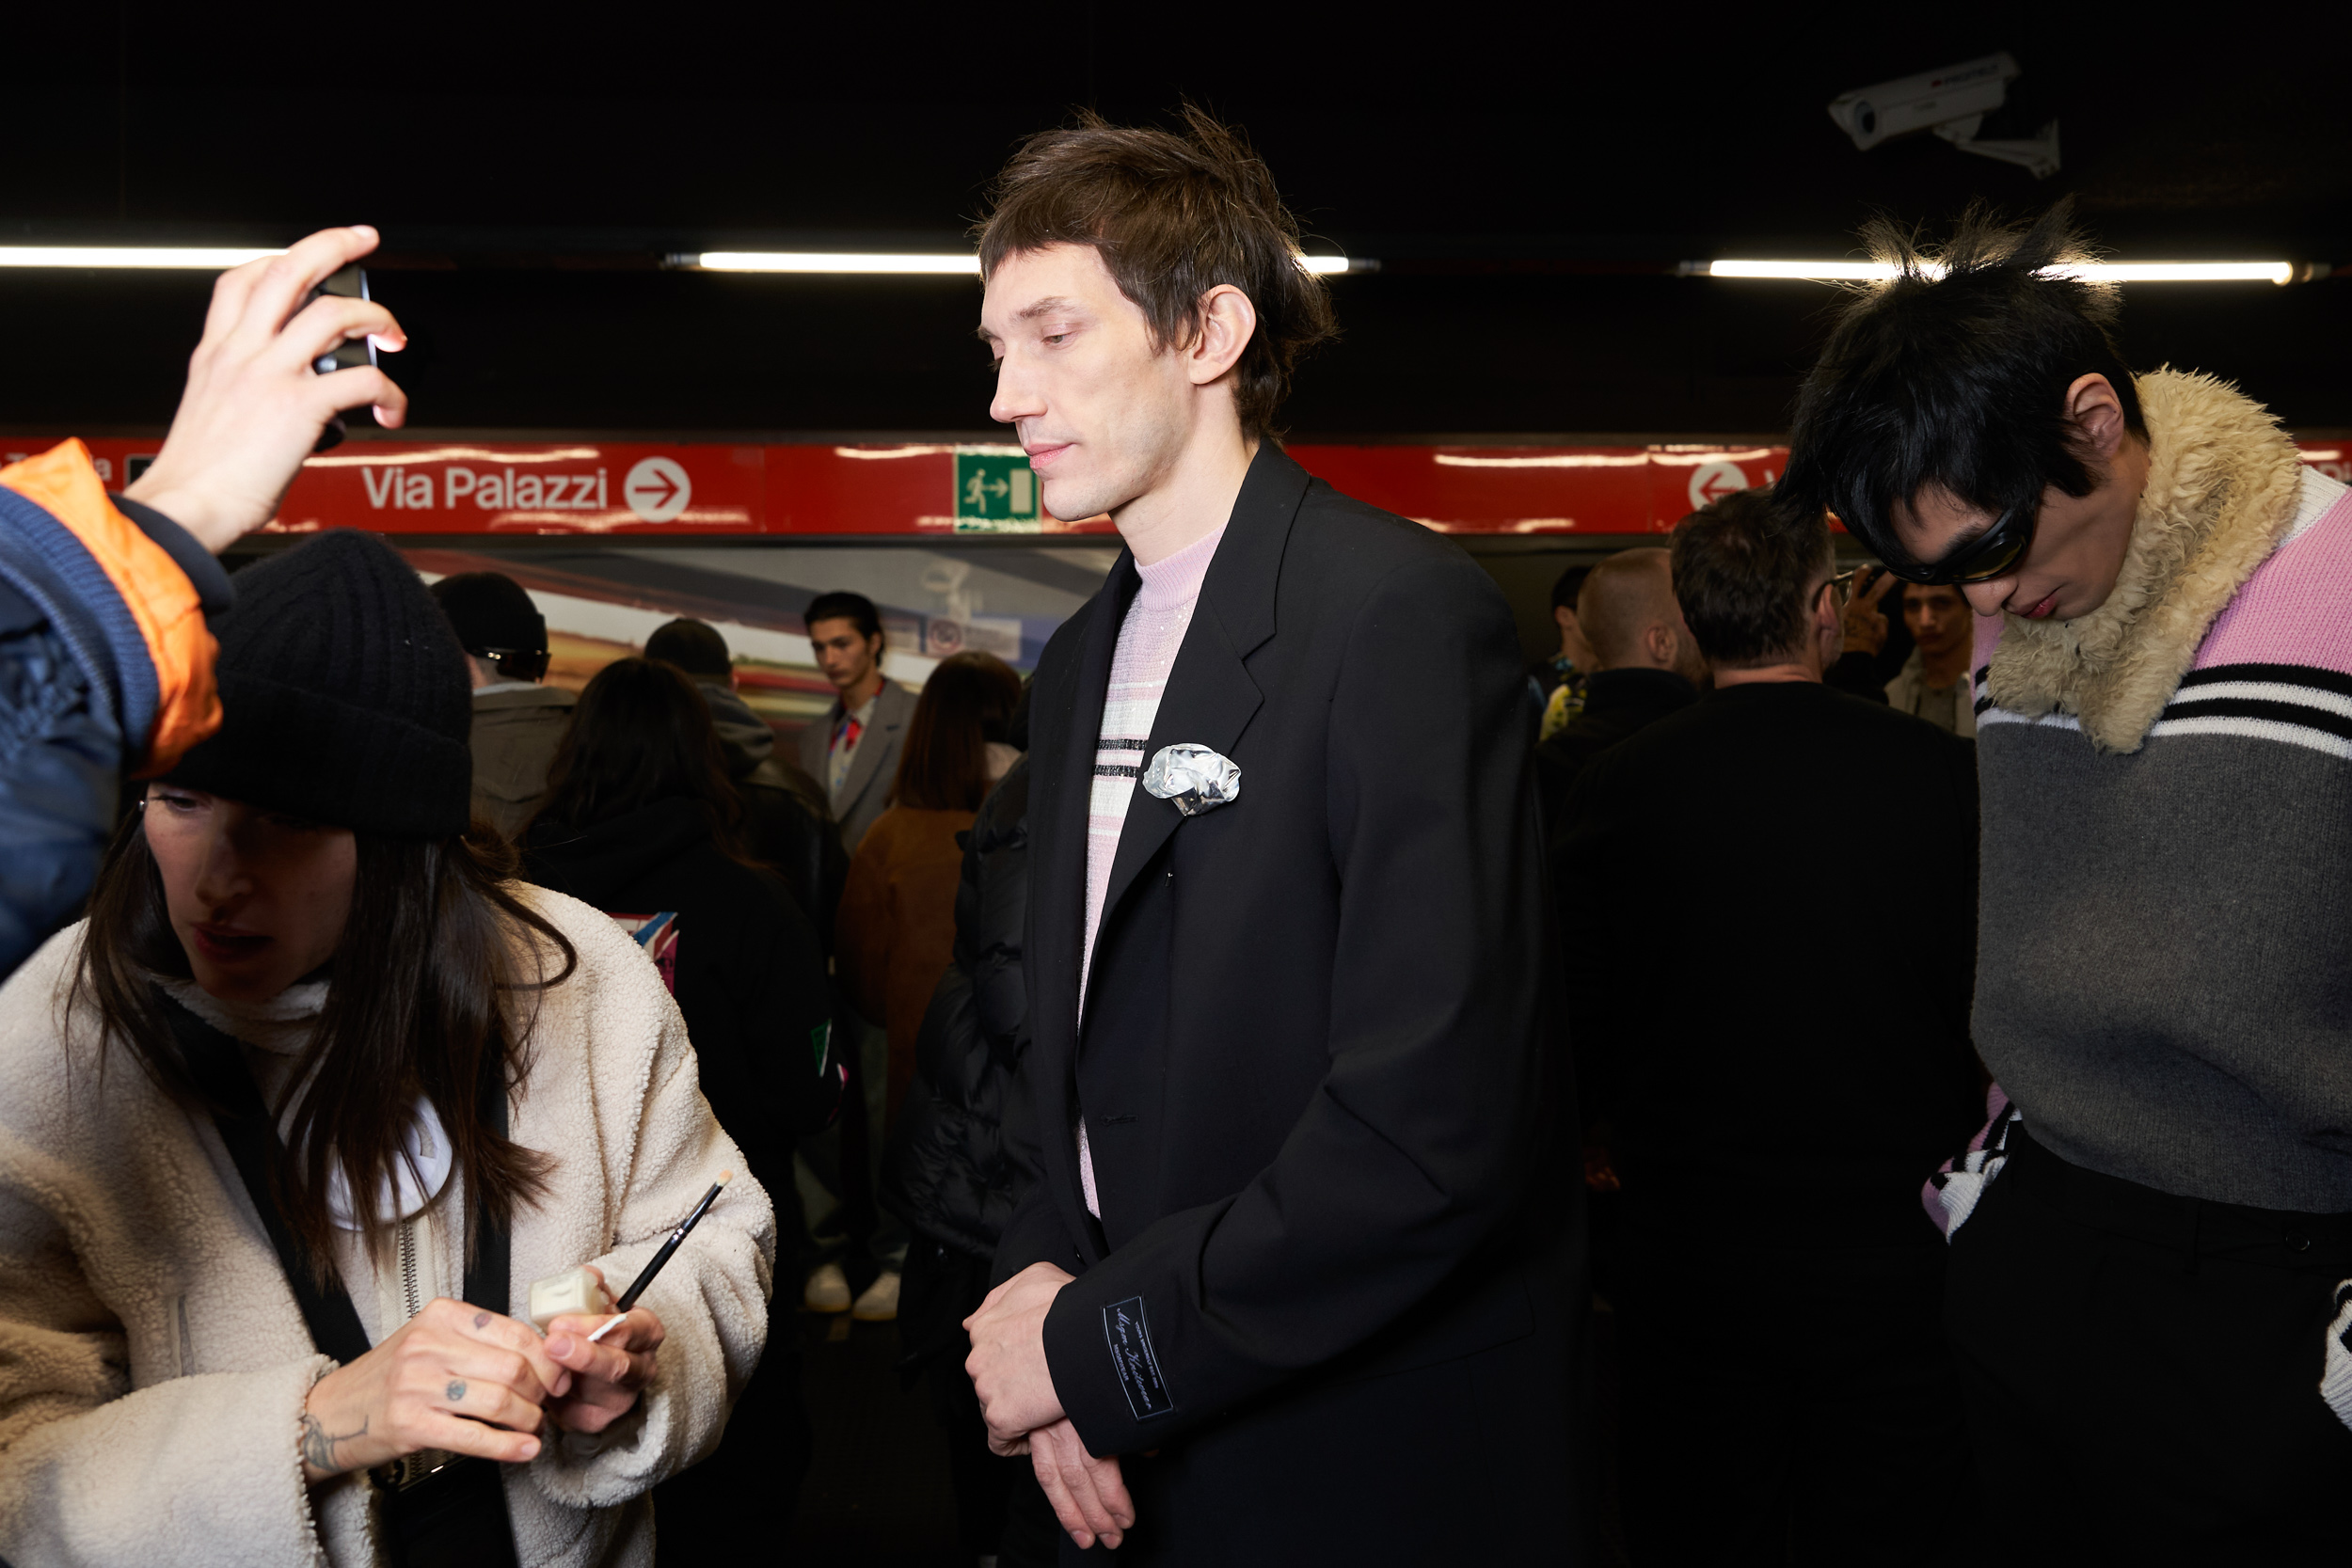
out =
column 1786, row 1405
column 1001, row 1510
column 2143, row 1370
column 741, row 1498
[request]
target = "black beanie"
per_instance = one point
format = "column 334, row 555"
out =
column 491, row 609
column 693, row 646
column 344, row 695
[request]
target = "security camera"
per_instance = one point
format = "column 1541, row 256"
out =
column 1952, row 103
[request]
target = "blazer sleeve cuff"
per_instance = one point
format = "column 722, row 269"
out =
column 1107, row 1347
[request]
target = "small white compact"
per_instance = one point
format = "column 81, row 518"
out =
column 574, row 1290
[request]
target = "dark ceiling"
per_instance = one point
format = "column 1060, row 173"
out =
column 1524, row 180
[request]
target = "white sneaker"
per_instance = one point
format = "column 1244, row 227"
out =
column 879, row 1304
column 829, row 1289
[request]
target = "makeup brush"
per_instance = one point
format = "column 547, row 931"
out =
column 645, row 1276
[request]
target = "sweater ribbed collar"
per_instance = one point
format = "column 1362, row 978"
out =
column 1176, row 579
column 282, row 1025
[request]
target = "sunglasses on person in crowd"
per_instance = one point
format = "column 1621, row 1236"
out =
column 1987, row 556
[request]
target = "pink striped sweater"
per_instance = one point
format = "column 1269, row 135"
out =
column 1148, row 639
column 2162, row 934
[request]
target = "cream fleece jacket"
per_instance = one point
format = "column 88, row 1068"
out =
column 152, row 1361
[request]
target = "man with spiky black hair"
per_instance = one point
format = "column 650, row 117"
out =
column 2144, row 1294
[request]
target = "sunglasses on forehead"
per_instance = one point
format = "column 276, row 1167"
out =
column 1988, row 555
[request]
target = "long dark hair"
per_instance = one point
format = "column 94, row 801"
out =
column 433, row 944
column 968, row 702
column 641, row 733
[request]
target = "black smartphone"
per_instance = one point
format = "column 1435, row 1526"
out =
column 350, row 283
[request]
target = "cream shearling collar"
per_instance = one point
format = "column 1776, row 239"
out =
column 2221, row 490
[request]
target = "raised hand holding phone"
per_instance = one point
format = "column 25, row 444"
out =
column 350, row 354
column 255, row 406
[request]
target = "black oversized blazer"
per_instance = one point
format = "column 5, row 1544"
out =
column 1319, row 1065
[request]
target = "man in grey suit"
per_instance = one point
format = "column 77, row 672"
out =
column 854, row 751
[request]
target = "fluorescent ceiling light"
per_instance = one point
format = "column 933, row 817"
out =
column 198, row 257
column 1548, row 460
column 2187, row 271
column 902, row 265
column 2102, row 272
column 829, row 260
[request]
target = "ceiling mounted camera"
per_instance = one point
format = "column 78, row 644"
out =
column 1952, row 103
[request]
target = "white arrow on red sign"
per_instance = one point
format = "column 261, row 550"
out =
column 1712, row 482
column 658, row 489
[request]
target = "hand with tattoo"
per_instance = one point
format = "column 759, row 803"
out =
column 612, row 1372
column 453, row 1377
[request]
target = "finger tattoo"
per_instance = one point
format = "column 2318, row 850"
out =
column 481, row 1319
column 457, row 1390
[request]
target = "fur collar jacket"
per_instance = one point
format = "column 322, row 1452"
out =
column 2222, row 488
column 153, row 1364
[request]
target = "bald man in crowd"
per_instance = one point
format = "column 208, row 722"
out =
column 1646, row 665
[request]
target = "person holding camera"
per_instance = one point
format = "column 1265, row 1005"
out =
column 291, row 1123
column 106, row 600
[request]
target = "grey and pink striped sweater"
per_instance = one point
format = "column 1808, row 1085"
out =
column 2164, row 983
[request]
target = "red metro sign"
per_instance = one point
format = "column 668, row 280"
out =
column 518, row 487
column 681, row 489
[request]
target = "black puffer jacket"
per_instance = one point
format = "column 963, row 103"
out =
column 945, row 1172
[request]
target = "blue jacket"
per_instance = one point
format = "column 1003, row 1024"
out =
column 105, row 672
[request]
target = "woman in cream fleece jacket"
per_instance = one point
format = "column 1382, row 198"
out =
column 153, row 1364
column 305, row 884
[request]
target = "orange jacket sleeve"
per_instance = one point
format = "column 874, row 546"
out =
column 64, row 483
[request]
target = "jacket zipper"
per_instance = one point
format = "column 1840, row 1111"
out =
column 409, row 1266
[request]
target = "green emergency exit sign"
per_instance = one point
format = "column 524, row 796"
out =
column 996, row 492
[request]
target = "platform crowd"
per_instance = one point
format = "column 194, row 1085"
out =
column 1844, row 1062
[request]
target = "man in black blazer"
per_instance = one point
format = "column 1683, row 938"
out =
column 1305, row 1290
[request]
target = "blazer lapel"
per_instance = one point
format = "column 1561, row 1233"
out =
column 1211, row 697
column 1062, row 735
